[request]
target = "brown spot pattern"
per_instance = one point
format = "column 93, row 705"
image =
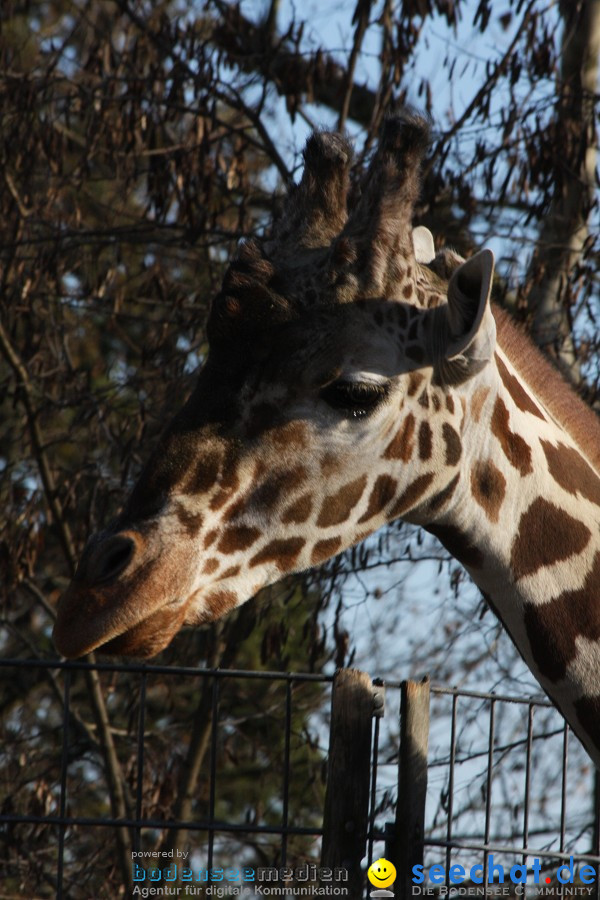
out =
column 517, row 392
column 546, row 535
column 458, row 544
column 229, row 479
column 450, row 403
column 453, row 444
column 227, row 487
column 425, row 440
column 401, row 446
column 409, row 497
column 204, row 474
column 220, row 499
column 220, row 602
column 236, row 509
column 238, row 537
column 211, row 537
column 293, row 434
column 283, row 552
column 572, row 472
column 325, row 549
column 415, row 380
column 268, row 494
column 488, row 486
column 210, row 566
column 553, row 627
column 191, row 522
column 337, row 507
column 382, row 492
column 516, row 450
column 329, row 464
column 435, row 503
column 299, row 511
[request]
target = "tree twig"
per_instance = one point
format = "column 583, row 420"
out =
column 114, row 773
column 361, row 17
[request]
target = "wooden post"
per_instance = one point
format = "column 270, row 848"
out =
column 346, row 813
column 407, row 845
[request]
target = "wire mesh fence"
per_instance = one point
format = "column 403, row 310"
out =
column 508, row 784
column 225, row 771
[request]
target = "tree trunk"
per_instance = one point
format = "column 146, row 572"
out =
column 564, row 231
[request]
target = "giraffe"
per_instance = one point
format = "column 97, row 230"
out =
column 356, row 377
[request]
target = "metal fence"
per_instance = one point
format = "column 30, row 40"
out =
column 255, row 768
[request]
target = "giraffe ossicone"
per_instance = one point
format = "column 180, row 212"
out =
column 353, row 378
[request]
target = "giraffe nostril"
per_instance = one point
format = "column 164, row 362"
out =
column 110, row 559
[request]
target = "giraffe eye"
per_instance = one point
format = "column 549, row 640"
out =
column 354, row 398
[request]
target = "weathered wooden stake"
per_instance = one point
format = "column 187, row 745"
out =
column 406, row 848
column 348, row 773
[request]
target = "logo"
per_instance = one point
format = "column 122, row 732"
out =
column 538, row 873
column 180, row 879
column 381, row 874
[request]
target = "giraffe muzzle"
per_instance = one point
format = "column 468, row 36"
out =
column 124, row 597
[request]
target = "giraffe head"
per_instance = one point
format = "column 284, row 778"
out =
column 327, row 406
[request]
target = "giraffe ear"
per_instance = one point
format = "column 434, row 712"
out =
column 470, row 331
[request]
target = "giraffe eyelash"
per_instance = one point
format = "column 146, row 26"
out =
column 356, row 399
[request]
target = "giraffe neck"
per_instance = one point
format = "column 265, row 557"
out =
column 524, row 522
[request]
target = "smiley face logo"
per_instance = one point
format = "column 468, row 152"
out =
column 381, row 873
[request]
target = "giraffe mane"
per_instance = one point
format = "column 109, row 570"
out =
column 561, row 401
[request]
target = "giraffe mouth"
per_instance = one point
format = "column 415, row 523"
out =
column 80, row 629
